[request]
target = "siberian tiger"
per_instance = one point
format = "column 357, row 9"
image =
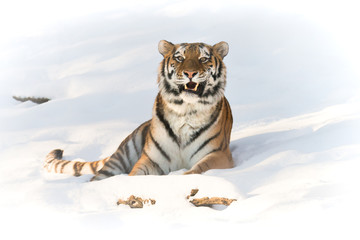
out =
column 190, row 125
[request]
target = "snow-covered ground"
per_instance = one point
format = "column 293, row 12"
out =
column 294, row 88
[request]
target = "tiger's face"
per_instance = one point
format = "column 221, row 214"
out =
column 192, row 72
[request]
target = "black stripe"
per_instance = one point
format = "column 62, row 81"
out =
column 199, row 166
column 226, row 108
column 144, row 128
column 117, row 156
column 127, row 151
column 147, row 170
column 118, row 166
column 57, row 164
column 113, row 165
column 228, row 120
column 154, row 164
column 94, row 166
column 77, row 168
column 163, row 68
column 167, row 63
column 220, row 69
column 143, row 134
column 121, row 149
column 178, row 102
column 159, row 147
column 214, row 150
column 106, row 173
column 170, row 74
column 213, row 119
column 204, row 102
column 169, row 89
column 214, row 76
column 213, row 91
column 134, row 143
column 109, row 164
column 224, row 144
column 143, row 171
column 216, row 63
column 224, row 141
column 204, row 144
column 63, row 166
column 160, row 115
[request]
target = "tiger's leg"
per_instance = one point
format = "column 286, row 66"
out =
column 126, row 155
column 155, row 157
column 146, row 166
column 120, row 162
column 114, row 166
column 215, row 160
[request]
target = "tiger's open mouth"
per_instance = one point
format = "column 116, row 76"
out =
column 191, row 86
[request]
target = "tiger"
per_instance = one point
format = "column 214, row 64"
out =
column 190, row 126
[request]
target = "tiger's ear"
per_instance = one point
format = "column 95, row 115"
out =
column 221, row 48
column 165, row 47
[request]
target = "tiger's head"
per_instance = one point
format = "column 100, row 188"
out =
column 192, row 72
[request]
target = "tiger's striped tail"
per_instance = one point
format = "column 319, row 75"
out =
column 55, row 164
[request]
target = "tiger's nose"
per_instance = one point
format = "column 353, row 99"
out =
column 190, row 75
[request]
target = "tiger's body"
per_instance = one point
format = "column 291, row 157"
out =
column 190, row 125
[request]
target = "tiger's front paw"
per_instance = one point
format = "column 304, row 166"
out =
column 98, row 177
column 192, row 171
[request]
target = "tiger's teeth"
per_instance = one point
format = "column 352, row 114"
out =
column 195, row 89
column 192, row 89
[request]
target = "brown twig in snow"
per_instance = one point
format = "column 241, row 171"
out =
column 205, row 201
column 136, row 202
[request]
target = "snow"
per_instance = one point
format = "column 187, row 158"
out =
column 293, row 84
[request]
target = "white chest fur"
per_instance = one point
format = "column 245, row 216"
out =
column 187, row 119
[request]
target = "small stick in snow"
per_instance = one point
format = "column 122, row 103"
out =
column 206, row 201
column 136, row 202
column 192, row 193
column 211, row 201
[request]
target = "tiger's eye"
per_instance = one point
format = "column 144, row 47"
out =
column 204, row 59
column 179, row 58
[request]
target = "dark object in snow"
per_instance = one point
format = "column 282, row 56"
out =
column 208, row 202
column 32, row 99
column 136, row 202
column 198, row 202
column 192, row 193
